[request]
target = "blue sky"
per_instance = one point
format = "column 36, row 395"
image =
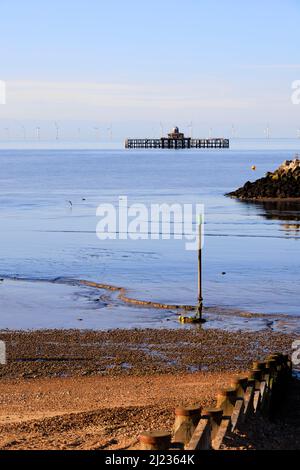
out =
column 135, row 64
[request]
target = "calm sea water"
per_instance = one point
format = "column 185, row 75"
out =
column 43, row 237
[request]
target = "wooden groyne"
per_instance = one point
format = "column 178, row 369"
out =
column 257, row 394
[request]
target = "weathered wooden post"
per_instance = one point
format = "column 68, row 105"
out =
column 289, row 363
column 186, row 421
column 277, row 391
column 264, row 385
column 214, row 415
column 249, row 398
column 240, row 384
column 201, row 439
column 279, row 363
column 272, row 366
column 286, row 367
column 259, row 365
column 237, row 417
column 155, row 440
column 256, row 376
column 226, row 400
column 271, row 401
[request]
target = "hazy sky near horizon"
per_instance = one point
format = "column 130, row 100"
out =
column 135, row 64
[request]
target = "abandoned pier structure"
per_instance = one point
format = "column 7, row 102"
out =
column 176, row 140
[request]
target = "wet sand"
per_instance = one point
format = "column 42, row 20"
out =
column 99, row 390
column 60, row 303
column 61, row 353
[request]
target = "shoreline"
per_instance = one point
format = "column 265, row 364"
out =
column 101, row 306
column 100, row 390
column 264, row 199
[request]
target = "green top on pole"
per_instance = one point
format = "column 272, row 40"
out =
column 200, row 219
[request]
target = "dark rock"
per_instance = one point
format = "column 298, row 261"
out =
column 283, row 183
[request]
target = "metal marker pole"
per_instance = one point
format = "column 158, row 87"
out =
column 200, row 298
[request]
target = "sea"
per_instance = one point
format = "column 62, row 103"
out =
column 49, row 194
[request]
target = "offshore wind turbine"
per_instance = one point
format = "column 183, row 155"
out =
column 24, row 131
column 161, row 129
column 233, row 131
column 38, row 133
column 57, row 130
column 96, row 129
column 109, row 129
column 7, row 131
column 267, row 131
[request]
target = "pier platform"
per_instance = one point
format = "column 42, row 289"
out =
column 176, row 143
column 176, row 140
